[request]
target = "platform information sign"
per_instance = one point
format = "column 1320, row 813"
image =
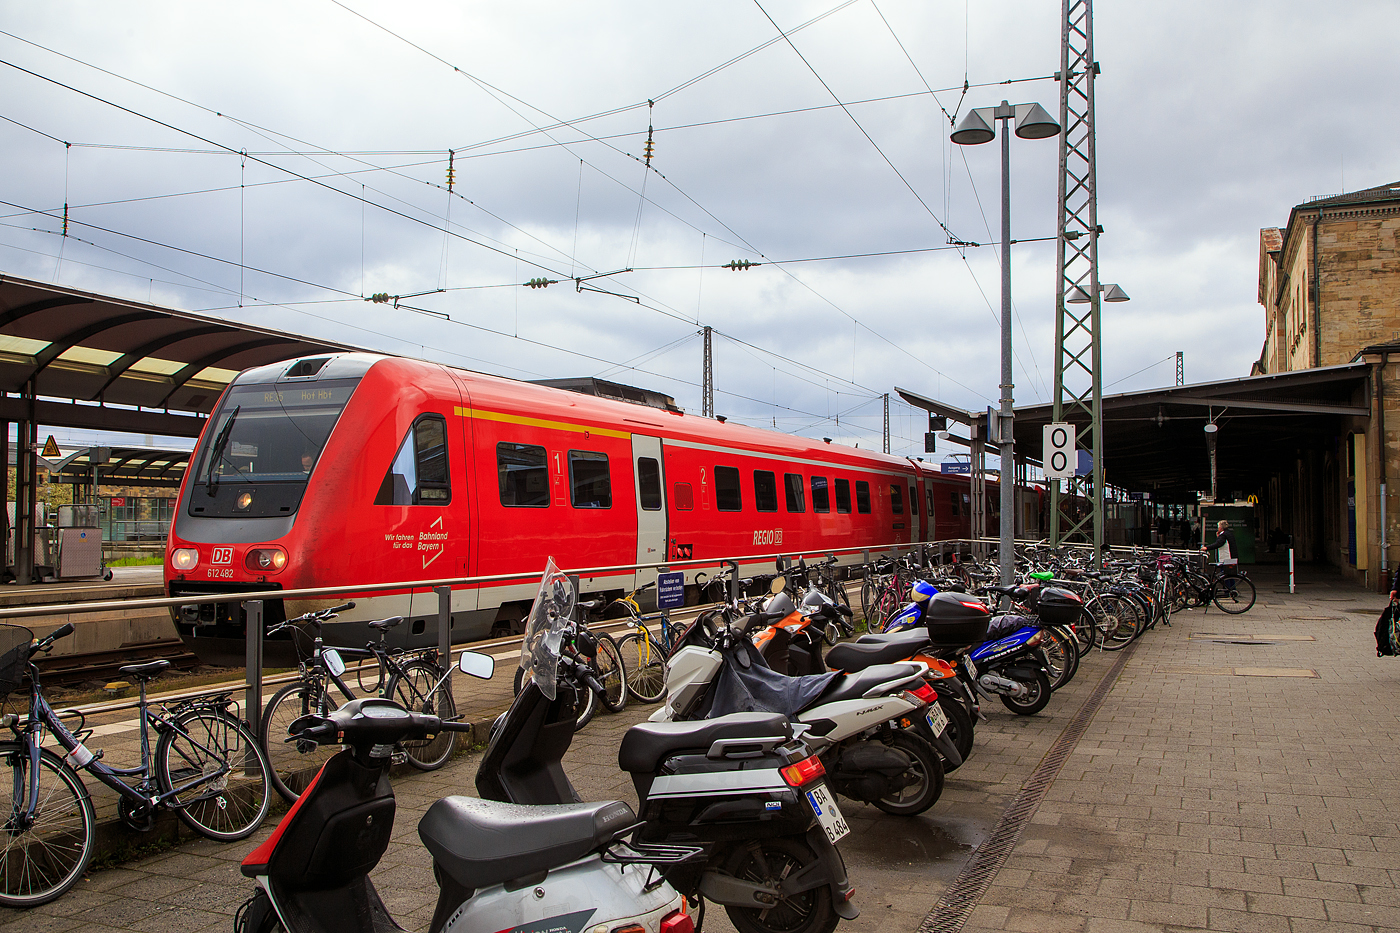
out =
column 670, row 590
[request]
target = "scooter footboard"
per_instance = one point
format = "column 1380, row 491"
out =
column 353, row 908
column 577, row 896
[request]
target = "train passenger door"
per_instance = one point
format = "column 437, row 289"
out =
column 915, row 513
column 650, row 490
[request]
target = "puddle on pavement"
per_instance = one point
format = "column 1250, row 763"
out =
column 941, row 842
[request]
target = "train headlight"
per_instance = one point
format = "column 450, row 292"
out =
column 184, row 558
column 244, row 500
column 265, row 559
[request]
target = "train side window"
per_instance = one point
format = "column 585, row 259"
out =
column 649, row 483
column 728, row 497
column 862, row 497
column 765, row 491
column 821, row 497
column 418, row 475
column 843, row 496
column 953, row 497
column 683, row 497
column 590, row 483
column 928, row 491
column 896, row 499
column 913, row 500
column 793, row 486
column 522, row 473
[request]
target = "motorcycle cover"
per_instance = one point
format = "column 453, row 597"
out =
column 1001, row 626
column 747, row 685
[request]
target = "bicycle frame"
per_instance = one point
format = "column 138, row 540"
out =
column 42, row 715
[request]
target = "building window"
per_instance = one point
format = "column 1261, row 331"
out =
column 728, row 497
column 896, row 500
column 792, row 485
column 522, row 473
column 765, row 491
column 821, row 498
column 418, row 475
column 590, row 483
column 649, row 483
column 843, row 496
column 862, row 497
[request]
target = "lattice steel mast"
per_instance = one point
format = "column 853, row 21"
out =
column 1078, row 364
column 707, row 380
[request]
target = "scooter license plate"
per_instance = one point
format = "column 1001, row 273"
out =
column 828, row 814
column 969, row 666
column 937, row 719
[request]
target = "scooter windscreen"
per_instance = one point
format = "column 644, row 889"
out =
column 550, row 618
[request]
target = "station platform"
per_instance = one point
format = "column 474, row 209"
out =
column 106, row 631
column 1227, row 773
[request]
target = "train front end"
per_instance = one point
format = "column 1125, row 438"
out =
column 235, row 529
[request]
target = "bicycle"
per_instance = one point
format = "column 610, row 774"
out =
column 413, row 679
column 643, row 653
column 206, row 766
column 1229, row 588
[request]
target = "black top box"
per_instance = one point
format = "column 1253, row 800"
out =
column 1058, row 607
column 954, row 619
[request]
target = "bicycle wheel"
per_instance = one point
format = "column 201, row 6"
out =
column 1116, row 621
column 293, row 764
column 220, row 773
column 1233, row 594
column 612, row 674
column 1062, row 653
column 646, row 667
column 40, row 862
column 867, row 601
column 418, row 690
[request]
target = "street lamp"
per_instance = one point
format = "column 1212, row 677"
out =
column 1078, row 296
column 1032, row 122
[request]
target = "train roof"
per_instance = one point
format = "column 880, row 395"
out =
column 494, row 392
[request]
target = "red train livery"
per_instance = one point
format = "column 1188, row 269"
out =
column 357, row 469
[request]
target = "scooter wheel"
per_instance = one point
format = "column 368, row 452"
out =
column 770, row 861
column 256, row 915
column 960, row 723
column 1034, row 701
column 928, row 769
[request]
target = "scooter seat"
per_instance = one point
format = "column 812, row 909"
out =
column 854, row 685
column 647, row 744
column 879, row 649
column 480, row 843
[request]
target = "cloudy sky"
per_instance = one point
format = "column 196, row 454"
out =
column 276, row 162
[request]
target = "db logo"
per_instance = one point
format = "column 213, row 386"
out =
column 221, row 555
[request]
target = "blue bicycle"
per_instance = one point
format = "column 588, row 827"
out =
column 207, row 767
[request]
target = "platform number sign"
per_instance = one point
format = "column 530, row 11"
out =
column 1057, row 442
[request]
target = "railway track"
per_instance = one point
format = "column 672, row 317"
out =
column 66, row 670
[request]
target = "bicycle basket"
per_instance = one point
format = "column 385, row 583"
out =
column 14, row 657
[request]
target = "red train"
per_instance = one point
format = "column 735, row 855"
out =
column 357, row 469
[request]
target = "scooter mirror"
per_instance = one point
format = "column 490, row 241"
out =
column 477, row 665
column 334, row 663
column 778, row 585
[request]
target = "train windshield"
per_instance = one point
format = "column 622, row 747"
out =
column 264, row 443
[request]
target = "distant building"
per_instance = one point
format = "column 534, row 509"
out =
column 1329, row 282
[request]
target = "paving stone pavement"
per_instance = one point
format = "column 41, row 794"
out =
column 1196, row 799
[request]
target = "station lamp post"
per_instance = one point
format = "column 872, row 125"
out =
column 1032, row 122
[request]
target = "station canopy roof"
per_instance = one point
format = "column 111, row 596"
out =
column 1153, row 440
column 104, row 363
column 120, row 466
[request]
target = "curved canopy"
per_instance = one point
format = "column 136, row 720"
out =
column 90, row 348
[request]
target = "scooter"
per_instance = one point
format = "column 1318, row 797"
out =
column 741, row 788
column 879, row 732
column 312, row 873
column 793, row 643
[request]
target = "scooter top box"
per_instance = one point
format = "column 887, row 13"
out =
column 956, row 619
column 1056, row 606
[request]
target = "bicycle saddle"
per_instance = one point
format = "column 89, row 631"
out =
column 384, row 625
column 144, row 671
